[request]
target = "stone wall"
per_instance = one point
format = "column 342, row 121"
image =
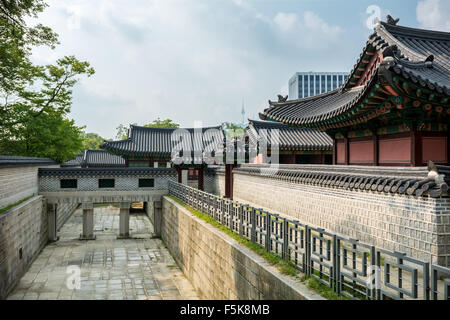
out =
column 215, row 183
column 23, row 233
column 122, row 183
column 418, row 226
column 218, row 266
column 17, row 183
column 64, row 212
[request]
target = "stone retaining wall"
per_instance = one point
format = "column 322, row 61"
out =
column 17, row 183
column 418, row 226
column 64, row 212
column 23, row 233
column 218, row 266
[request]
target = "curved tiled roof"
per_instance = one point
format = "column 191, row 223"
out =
column 412, row 48
column 11, row 161
column 315, row 108
column 158, row 141
column 95, row 158
column 99, row 158
column 291, row 138
column 412, row 183
column 73, row 162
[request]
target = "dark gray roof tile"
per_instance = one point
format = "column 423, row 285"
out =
column 291, row 138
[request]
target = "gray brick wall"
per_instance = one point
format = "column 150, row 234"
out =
column 64, row 212
column 219, row 267
column 420, row 227
column 23, row 233
column 52, row 184
column 17, row 183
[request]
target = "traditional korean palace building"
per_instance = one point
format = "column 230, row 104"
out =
column 152, row 147
column 393, row 110
column 95, row 159
column 296, row 146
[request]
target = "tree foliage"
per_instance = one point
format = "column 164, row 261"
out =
column 34, row 97
column 122, row 131
column 158, row 123
column 233, row 130
column 50, row 135
column 92, row 141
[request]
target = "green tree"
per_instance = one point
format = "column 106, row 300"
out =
column 158, row 123
column 29, row 91
column 122, row 131
column 92, row 141
column 50, row 135
column 233, row 130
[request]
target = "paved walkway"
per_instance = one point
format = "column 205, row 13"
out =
column 140, row 268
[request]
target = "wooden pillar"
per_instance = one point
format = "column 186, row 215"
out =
column 201, row 178
column 448, row 147
column 375, row 149
column 347, row 151
column 334, row 151
column 179, row 175
column 416, row 147
column 229, row 181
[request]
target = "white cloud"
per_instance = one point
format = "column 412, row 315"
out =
column 434, row 14
column 286, row 21
column 307, row 31
column 186, row 60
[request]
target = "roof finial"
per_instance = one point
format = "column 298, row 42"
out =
column 390, row 51
column 281, row 98
column 391, row 20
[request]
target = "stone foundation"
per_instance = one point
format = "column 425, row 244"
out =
column 219, row 267
column 23, row 233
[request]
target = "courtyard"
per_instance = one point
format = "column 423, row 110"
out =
column 140, row 268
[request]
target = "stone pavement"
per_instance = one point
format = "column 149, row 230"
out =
column 140, row 268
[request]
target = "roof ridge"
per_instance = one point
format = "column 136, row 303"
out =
column 168, row 129
column 425, row 32
column 318, row 96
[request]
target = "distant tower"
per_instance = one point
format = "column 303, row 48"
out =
column 243, row 113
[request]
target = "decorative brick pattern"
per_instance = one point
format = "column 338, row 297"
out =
column 52, row 183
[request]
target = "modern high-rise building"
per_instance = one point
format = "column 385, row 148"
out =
column 307, row 84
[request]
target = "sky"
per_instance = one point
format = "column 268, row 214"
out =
column 201, row 60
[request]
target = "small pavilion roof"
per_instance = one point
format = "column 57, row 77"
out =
column 95, row 158
column 76, row 162
column 291, row 138
column 149, row 141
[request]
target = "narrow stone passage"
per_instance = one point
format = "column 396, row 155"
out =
column 140, row 268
